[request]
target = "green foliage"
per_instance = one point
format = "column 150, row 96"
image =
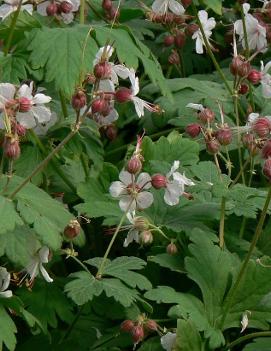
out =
column 7, row 330
column 188, row 338
column 262, row 344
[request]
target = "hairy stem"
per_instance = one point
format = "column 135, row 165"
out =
column 247, row 337
column 243, row 268
column 222, row 222
column 12, row 28
column 235, row 98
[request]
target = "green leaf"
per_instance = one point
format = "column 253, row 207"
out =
column 84, row 287
column 174, row 263
column 187, row 338
column 215, row 5
column 9, row 214
column 122, row 268
column 259, row 344
column 152, row 344
column 47, row 50
column 7, row 330
column 13, row 67
column 47, row 303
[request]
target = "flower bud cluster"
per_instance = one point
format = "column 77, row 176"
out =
column 111, row 12
column 139, row 328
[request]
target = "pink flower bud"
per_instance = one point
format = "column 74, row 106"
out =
column 186, row 3
column 172, row 249
column 107, row 5
column 127, row 326
column 123, row 95
column 224, row 136
column 102, row 70
column 239, row 66
column 79, row 100
column 51, row 9
column 267, row 169
column 206, row 115
column 254, row 76
column 179, row 39
column 159, row 181
column 169, row 40
column 174, row 58
column 191, row 29
column 266, row 150
column 111, row 132
column 212, row 146
column 243, row 89
column 193, row 130
column 248, row 139
column 11, row 148
column 146, row 237
column 66, row 7
column 137, row 334
column 262, row 127
column 134, row 165
column 151, row 325
column 72, row 230
column 113, row 13
column 24, row 104
column 141, row 223
column 98, row 105
column 20, row 130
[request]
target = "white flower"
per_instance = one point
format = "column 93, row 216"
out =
column 133, row 233
column 168, row 341
column 175, row 185
column 37, row 112
column 207, row 25
column 10, row 6
column 162, row 7
column 66, row 17
column 139, row 103
column 244, row 321
column 131, row 193
column 256, row 33
column 266, row 80
column 4, row 283
column 42, row 128
column 197, row 107
column 36, row 265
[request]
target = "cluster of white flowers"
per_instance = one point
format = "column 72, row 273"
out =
column 208, row 24
column 28, row 106
column 266, row 80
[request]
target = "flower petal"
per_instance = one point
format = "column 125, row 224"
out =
column 45, row 274
column 131, row 236
column 25, row 91
column 176, row 7
column 144, row 200
column 144, row 179
column 7, row 92
column 6, row 294
column 117, row 188
column 44, row 253
column 41, row 8
column 168, row 340
column 125, row 177
column 172, row 193
column 42, row 113
column 197, row 107
column 26, row 119
column 41, row 99
column 160, row 6
column 6, row 10
column 127, row 203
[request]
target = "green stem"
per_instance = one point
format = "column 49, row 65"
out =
column 80, row 263
column 71, row 326
column 222, row 222
column 210, row 53
column 258, row 231
column 82, row 12
column 12, row 28
column 44, row 162
column 101, row 268
column 240, row 172
column 235, row 98
column 159, row 231
column 247, row 337
column 63, row 104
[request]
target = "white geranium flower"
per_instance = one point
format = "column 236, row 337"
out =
column 168, row 341
column 133, row 234
column 175, row 185
column 208, row 24
column 36, row 265
column 66, row 17
column 37, row 111
column 4, row 283
column 245, row 321
column 256, row 33
column 132, row 193
column 197, row 107
column 162, row 7
column 139, row 103
column 10, row 6
column 266, row 80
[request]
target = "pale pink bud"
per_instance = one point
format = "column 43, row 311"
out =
column 159, row 181
column 262, row 127
column 254, row 76
column 127, row 326
column 193, row 130
column 66, row 7
column 98, row 105
column 107, row 5
column 212, row 146
column 151, row 325
column 51, row 9
column 72, row 230
column 224, row 136
column 11, row 148
column 102, row 70
column 123, row 95
column 79, row 100
column 134, row 165
column 146, row 237
column 24, row 104
column 206, row 115
column 137, row 334
column 172, row 249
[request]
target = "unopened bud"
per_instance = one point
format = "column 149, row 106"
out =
column 212, row 146
column 243, row 89
column 137, row 334
column 123, row 95
column 72, row 230
column 262, row 127
column 267, row 169
column 206, row 115
column 179, row 39
column 51, row 9
column 266, row 150
column 98, row 105
column 151, row 325
column 193, row 130
column 240, row 66
column 113, row 14
column 248, row 139
column 169, row 40
column 20, row 130
column 66, row 7
column 102, row 70
column 111, row 132
column 146, row 237
column 11, row 148
column 141, row 223
column 107, row 5
column 191, row 29
column 158, row 181
column 172, row 249
column 25, row 104
column 79, row 100
column 127, row 326
column 254, row 76
column 134, row 165
column 174, row 58
column 224, row 136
